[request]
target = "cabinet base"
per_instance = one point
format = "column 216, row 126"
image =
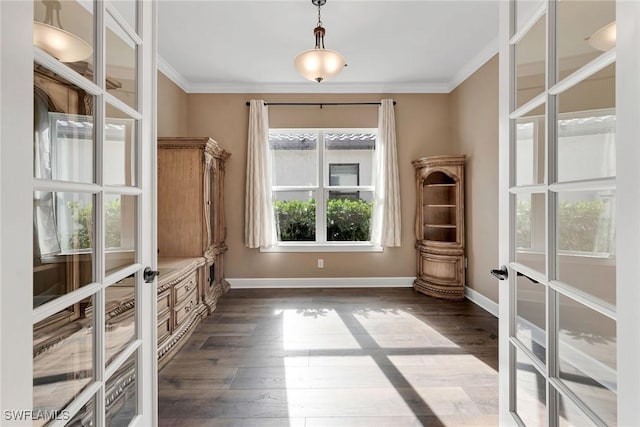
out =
column 455, row 293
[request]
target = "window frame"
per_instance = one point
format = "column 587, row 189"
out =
column 322, row 189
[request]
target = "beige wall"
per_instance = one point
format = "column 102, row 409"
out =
column 172, row 108
column 474, row 120
column 423, row 129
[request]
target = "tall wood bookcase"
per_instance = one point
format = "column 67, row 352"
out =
column 440, row 226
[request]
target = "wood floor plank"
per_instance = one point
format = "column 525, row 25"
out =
column 335, row 358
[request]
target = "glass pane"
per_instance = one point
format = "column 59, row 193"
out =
column 569, row 415
column 63, row 244
column 349, row 158
column 121, row 397
column 587, row 354
column 525, row 10
column 121, row 62
column 587, row 242
column 530, row 148
column 531, row 392
column 120, row 231
column 120, row 148
column 530, row 231
column 65, row 31
column 63, row 136
column 578, row 23
column 86, row 415
column 295, row 215
column 530, row 54
column 120, row 320
column 587, row 128
column 128, row 9
column 62, row 358
column 530, row 321
column 294, row 158
column 349, row 215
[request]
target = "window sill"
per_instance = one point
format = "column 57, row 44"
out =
column 323, row 247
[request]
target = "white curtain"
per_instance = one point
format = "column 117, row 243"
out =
column 385, row 230
column 259, row 228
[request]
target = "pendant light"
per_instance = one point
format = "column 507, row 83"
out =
column 605, row 38
column 57, row 42
column 319, row 64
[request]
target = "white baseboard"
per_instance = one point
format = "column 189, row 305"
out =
column 322, row 282
column 481, row 301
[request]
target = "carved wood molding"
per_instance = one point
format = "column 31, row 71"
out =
column 207, row 144
column 438, row 161
column 181, row 332
column 444, row 292
column 184, row 273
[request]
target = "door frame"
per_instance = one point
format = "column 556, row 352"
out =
column 16, row 212
column 627, row 208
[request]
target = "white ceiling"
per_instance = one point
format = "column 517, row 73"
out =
column 390, row 46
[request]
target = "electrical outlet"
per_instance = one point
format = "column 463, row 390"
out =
column 320, row 263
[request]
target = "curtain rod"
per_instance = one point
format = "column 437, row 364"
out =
column 321, row 104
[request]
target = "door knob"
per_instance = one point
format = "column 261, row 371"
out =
column 149, row 274
column 502, row 273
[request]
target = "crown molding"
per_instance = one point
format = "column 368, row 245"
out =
column 472, row 66
column 173, row 74
column 309, row 87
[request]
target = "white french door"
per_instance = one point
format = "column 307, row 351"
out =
column 77, row 313
column 569, row 212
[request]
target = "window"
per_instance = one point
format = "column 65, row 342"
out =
column 71, row 160
column 586, row 219
column 323, row 186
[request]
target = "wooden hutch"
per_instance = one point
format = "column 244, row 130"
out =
column 440, row 226
column 191, row 237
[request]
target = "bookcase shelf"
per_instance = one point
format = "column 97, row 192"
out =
column 440, row 226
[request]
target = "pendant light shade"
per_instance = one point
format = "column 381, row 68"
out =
column 319, row 64
column 57, row 42
column 605, row 38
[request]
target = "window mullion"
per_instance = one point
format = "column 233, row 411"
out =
column 321, row 217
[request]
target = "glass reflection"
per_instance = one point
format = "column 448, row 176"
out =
column 531, row 392
column 530, row 148
column 578, row 21
column 530, row 222
column 530, row 321
column 62, row 358
column 121, row 63
column 121, row 394
column 587, row 242
column 120, row 147
column 587, row 348
column 63, row 129
column 587, row 128
column 569, row 415
column 120, row 231
column 128, row 10
column 530, row 62
column 86, row 416
column 64, row 29
column 63, row 244
column 120, row 321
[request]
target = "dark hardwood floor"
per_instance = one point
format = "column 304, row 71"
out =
column 335, row 357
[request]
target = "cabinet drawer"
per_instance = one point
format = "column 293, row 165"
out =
column 164, row 301
column 185, row 308
column 185, row 287
column 164, row 326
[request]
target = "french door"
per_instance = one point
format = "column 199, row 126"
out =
column 569, row 213
column 77, row 311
